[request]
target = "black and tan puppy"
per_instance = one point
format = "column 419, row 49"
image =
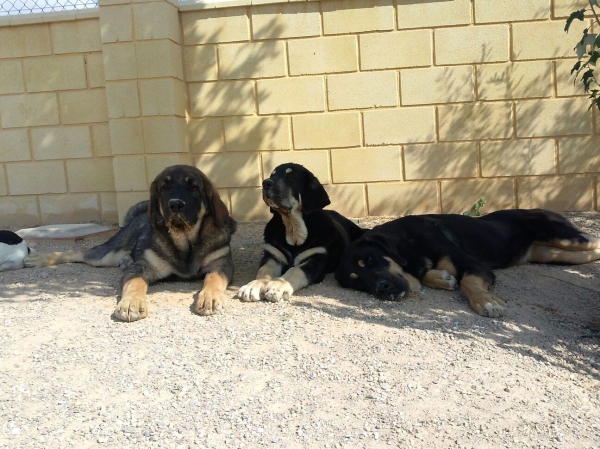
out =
column 302, row 241
column 444, row 251
column 183, row 232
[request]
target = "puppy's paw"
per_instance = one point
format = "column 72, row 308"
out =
column 447, row 281
column 278, row 289
column 210, row 302
column 131, row 308
column 252, row 291
column 34, row 260
column 489, row 305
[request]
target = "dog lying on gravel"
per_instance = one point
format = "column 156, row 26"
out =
column 13, row 250
column 444, row 251
column 303, row 242
column 183, row 232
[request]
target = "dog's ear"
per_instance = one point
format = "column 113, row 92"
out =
column 154, row 212
column 314, row 196
column 216, row 206
column 387, row 246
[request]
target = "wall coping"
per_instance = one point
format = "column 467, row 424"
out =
column 46, row 17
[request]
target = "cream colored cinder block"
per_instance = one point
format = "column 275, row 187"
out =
column 119, row 61
column 222, row 98
column 71, row 208
column 200, row 63
column 221, row 25
column 129, row 173
column 443, row 160
column 564, row 8
column 396, row 49
column 401, row 198
column 116, row 23
column 165, row 134
column 568, row 84
column 444, row 85
column 511, row 10
column 394, row 126
column 109, row 213
column 257, row 133
column 475, row 121
column 21, row 41
column 30, row 178
column 579, row 154
column 90, row 175
column 19, row 211
column 323, row 55
column 366, row 164
column 285, row 20
column 252, row 60
column 14, row 145
column 67, row 142
column 362, row 90
column 559, row 193
column 122, row 99
column 95, row 70
column 101, row 140
column 247, row 205
column 127, row 199
column 159, row 20
column 460, row 196
column 514, row 80
column 316, row 161
column 347, row 199
column 554, row 117
column 11, row 77
column 3, row 183
column 518, row 158
column 29, row 110
column 83, row 106
column 231, row 169
column 355, row 16
column 326, row 130
column 158, row 58
column 52, row 73
column 162, row 97
column 557, row 44
column 412, row 14
column 126, row 136
column 76, row 36
column 280, row 96
column 156, row 164
column 468, row 45
column 206, row 136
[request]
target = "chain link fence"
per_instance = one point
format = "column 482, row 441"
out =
column 15, row 7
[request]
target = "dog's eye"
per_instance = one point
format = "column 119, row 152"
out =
column 369, row 261
column 163, row 187
column 195, row 187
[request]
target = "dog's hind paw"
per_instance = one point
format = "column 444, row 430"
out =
column 34, row 260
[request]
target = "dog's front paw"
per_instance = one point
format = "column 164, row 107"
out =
column 131, row 308
column 252, row 291
column 489, row 305
column 278, row 289
column 210, row 302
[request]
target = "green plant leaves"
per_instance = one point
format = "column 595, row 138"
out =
column 574, row 15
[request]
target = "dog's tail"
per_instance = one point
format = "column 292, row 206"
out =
column 135, row 210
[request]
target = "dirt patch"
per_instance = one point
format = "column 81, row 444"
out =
column 330, row 368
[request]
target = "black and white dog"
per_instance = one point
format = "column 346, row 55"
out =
column 13, row 250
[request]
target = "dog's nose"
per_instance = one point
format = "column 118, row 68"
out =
column 267, row 183
column 176, row 205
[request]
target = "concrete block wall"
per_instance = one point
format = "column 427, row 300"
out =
column 395, row 105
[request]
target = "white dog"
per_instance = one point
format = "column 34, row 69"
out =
column 13, row 250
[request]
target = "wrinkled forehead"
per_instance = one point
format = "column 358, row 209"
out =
column 182, row 176
column 286, row 169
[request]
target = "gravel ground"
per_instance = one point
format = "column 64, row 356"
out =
column 330, row 368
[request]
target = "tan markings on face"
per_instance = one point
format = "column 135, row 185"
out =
column 289, row 170
column 276, row 253
column 439, row 279
column 353, row 276
column 273, row 172
column 361, row 263
column 308, row 253
column 481, row 299
column 547, row 254
column 397, row 270
column 446, row 264
column 296, row 232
